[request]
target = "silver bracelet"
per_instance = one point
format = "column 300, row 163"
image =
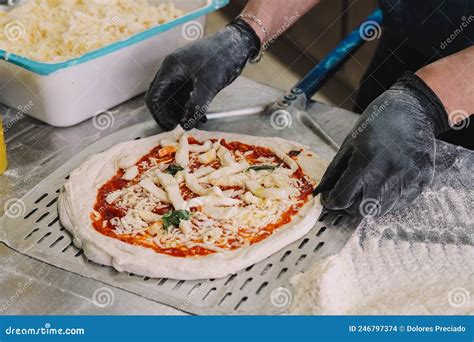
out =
column 256, row 20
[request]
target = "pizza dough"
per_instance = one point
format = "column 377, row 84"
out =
column 80, row 193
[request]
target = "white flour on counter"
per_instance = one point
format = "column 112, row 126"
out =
column 416, row 261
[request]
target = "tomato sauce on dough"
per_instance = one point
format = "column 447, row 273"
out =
column 105, row 211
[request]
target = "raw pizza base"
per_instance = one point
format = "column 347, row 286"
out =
column 78, row 196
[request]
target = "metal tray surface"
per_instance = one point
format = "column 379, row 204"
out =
column 31, row 226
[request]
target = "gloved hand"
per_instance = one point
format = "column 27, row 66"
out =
column 388, row 158
column 191, row 76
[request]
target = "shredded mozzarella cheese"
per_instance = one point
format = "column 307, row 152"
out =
column 59, row 30
column 219, row 219
column 182, row 154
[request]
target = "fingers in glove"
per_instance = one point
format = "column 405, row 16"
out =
column 407, row 198
column 380, row 195
column 413, row 183
column 167, row 93
column 347, row 188
column 333, row 172
column 197, row 106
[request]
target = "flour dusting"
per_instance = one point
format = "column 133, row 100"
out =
column 419, row 260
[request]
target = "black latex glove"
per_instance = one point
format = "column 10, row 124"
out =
column 191, row 76
column 388, row 158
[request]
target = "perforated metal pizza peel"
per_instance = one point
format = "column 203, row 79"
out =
column 40, row 235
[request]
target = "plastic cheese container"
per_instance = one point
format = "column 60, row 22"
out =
column 66, row 93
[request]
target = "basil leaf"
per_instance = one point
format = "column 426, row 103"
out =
column 262, row 167
column 183, row 214
column 165, row 218
column 173, row 217
column 294, row 153
column 173, row 169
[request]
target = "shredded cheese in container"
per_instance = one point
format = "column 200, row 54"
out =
column 59, row 30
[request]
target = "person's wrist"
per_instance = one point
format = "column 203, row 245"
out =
column 259, row 29
column 450, row 79
column 436, row 80
column 256, row 28
column 430, row 76
column 253, row 40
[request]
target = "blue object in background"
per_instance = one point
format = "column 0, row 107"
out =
column 369, row 30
